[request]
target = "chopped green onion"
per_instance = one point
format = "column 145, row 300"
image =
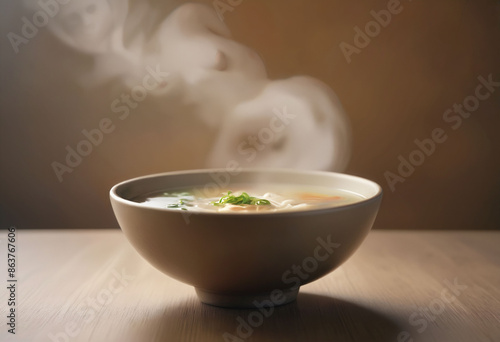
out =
column 242, row 199
column 182, row 203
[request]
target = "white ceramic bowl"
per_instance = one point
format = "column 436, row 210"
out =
column 245, row 259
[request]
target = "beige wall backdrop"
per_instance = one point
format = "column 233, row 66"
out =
column 395, row 90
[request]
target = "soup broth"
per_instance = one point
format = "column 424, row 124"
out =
column 250, row 198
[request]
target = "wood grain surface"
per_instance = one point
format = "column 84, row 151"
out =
column 90, row 285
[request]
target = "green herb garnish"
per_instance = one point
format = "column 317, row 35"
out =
column 182, row 203
column 243, row 199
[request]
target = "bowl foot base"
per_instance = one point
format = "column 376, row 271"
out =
column 248, row 301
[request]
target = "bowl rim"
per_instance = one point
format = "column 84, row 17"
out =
column 376, row 197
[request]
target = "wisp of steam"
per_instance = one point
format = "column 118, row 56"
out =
column 296, row 122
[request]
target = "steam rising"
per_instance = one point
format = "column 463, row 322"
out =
column 257, row 122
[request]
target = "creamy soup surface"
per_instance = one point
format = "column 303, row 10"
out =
column 250, row 198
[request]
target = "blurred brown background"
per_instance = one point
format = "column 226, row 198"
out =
column 395, row 90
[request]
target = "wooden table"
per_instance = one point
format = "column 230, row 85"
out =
column 90, row 285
